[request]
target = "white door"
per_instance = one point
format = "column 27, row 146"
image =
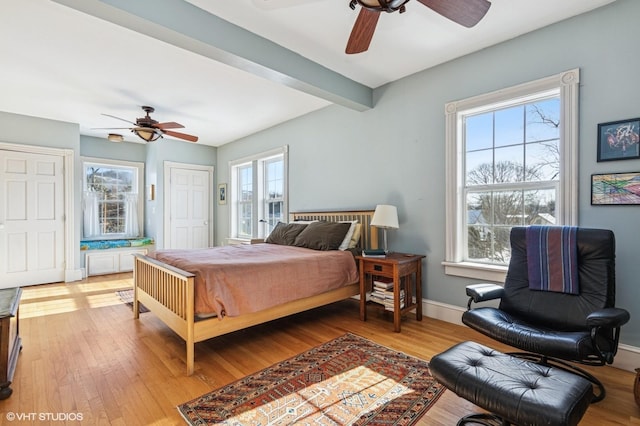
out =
column 31, row 219
column 189, row 208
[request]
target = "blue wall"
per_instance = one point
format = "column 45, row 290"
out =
column 395, row 152
column 102, row 148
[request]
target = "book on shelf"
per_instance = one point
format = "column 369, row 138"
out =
column 385, row 298
column 373, row 253
column 383, row 283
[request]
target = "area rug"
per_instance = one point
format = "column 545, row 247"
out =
column 127, row 297
column 347, row 381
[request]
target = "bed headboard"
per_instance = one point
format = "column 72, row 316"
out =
column 369, row 235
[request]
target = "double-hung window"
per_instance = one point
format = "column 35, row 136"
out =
column 258, row 193
column 511, row 161
column 112, row 202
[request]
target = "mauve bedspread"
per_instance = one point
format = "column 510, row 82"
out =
column 239, row 279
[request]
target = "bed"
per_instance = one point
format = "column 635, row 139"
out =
column 170, row 292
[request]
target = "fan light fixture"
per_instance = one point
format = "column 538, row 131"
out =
column 385, row 217
column 114, row 137
column 148, row 134
column 380, row 5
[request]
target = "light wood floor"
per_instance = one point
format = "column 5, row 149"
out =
column 84, row 355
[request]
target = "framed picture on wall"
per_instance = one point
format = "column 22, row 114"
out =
column 222, row 193
column 619, row 140
column 615, row 188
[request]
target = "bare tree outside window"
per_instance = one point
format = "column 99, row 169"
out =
column 513, row 163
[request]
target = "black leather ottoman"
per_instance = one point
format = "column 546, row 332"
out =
column 512, row 389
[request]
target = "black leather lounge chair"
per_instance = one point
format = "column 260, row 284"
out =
column 556, row 328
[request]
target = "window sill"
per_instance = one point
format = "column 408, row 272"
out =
column 478, row 271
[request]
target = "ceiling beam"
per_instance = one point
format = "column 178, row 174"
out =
column 186, row 26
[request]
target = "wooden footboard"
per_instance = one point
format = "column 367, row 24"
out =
column 168, row 292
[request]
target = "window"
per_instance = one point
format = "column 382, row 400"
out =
column 112, row 206
column 511, row 160
column 258, row 194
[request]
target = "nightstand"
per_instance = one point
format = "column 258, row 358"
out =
column 10, row 341
column 405, row 270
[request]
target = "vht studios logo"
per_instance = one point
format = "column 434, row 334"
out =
column 43, row 417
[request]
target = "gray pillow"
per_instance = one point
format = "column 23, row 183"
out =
column 322, row 235
column 285, row 233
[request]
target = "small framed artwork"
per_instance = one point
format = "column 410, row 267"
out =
column 619, row 140
column 222, row 193
column 615, row 188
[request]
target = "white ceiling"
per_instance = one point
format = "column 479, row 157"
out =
column 72, row 60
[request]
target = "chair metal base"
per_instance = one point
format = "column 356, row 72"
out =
column 566, row 366
column 485, row 419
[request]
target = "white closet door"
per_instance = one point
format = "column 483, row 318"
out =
column 31, row 219
column 190, row 200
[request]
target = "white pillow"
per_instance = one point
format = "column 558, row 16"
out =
column 347, row 237
column 355, row 238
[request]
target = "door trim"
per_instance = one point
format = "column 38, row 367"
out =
column 71, row 272
column 168, row 165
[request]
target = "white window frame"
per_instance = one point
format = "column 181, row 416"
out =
column 567, row 203
column 87, row 161
column 258, row 202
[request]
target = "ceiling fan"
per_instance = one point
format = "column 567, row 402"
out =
column 464, row 12
column 150, row 130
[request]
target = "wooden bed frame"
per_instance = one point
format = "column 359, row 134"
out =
column 168, row 292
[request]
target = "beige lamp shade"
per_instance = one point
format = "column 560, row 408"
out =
column 385, row 216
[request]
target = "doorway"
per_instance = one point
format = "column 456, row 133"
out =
column 188, row 211
column 32, row 218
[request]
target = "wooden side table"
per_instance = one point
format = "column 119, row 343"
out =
column 406, row 272
column 10, row 341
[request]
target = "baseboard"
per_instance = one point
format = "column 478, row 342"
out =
column 73, row 275
column 628, row 357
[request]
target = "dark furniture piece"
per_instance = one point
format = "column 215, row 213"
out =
column 513, row 390
column 10, row 341
column 556, row 328
column 406, row 272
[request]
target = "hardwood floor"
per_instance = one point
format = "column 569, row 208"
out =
column 85, row 357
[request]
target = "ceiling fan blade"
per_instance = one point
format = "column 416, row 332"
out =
column 464, row 12
column 178, row 135
column 118, row 118
column 362, row 31
column 169, row 125
column 111, row 128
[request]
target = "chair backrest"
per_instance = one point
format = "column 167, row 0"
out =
column 560, row 311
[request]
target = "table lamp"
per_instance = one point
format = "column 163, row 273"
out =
column 385, row 217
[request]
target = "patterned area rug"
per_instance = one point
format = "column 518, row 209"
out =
column 347, row 381
column 127, row 297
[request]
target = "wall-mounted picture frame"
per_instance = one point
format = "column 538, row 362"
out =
column 222, row 193
column 615, row 189
column 619, row 140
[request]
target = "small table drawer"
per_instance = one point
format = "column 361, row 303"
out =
column 378, row 268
